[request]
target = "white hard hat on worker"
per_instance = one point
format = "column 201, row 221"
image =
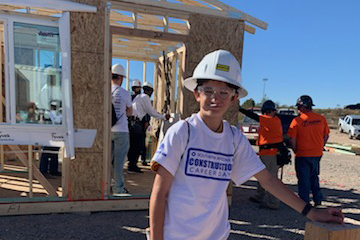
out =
column 117, row 69
column 219, row 65
column 149, row 85
column 136, row 83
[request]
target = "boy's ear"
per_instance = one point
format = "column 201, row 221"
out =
column 197, row 95
column 234, row 98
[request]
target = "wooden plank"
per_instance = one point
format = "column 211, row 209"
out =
column 129, row 203
column 107, row 110
column 148, row 34
column 30, row 159
column 146, row 20
column 327, row 231
column 143, row 44
column 173, row 82
column 183, row 9
column 122, row 55
column 250, row 29
column 128, row 6
column 43, row 181
column 131, row 38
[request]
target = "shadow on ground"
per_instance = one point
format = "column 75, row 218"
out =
column 247, row 220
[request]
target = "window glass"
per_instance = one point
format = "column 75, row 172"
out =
column 37, row 74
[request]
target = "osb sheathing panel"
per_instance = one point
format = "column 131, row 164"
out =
column 85, row 170
column 88, row 78
column 208, row 34
column 87, row 29
column 87, row 45
column 93, row 119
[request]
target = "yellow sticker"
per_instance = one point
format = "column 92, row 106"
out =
column 221, row 67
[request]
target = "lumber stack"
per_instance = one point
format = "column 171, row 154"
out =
column 344, row 149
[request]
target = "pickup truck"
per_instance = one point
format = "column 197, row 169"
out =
column 250, row 127
column 350, row 124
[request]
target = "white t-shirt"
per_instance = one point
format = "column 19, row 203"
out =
column 142, row 106
column 197, row 206
column 121, row 100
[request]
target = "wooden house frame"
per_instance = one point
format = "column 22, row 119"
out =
column 143, row 30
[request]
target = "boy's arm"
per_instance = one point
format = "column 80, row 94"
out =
column 160, row 190
column 250, row 114
column 283, row 193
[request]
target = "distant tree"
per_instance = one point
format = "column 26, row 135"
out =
column 353, row 106
column 250, row 103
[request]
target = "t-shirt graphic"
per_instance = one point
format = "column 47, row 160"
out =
column 207, row 164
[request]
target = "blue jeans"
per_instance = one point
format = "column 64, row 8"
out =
column 120, row 144
column 307, row 172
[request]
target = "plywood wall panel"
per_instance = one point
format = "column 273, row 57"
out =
column 208, row 34
column 87, row 45
column 87, row 29
column 85, row 170
column 88, row 74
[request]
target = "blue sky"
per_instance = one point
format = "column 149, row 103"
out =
column 310, row 47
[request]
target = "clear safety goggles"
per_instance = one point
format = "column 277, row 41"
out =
column 223, row 93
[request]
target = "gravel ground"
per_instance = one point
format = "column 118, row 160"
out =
column 340, row 180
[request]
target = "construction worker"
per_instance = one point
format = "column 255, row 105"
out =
column 121, row 100
column 269, row 140
column 136, row 88
column 141, row 106
column 200, row 155
column 308, row 135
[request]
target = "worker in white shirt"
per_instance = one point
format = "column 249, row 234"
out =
column 141, row 106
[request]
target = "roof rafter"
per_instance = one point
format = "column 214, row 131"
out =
column 163, row 7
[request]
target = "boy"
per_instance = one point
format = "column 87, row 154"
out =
column 199, row 156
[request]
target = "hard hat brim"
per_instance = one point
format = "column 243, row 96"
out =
column 191, row 83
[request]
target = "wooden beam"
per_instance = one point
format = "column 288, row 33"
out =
column 173, row 81
column 164, row 7
column 250, row 29
column 107, row 109
column 128, row 203
column 141, row 44
column 147, row 21
column 148, row 34
column 43, row 181
column 193, row 3
column 131, row 7
column 30, row 160
column 133, row 38
column 133, row 56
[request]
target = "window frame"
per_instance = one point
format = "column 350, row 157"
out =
column 57, row 135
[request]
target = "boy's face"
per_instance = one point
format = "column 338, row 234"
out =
column 215, row 98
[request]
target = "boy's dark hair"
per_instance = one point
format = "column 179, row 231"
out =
column 200, row 82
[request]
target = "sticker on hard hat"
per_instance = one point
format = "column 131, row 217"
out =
column 221, row 67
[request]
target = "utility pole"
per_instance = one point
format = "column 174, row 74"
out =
column 264, row 80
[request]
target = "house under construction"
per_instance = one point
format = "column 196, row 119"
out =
column 57, row 54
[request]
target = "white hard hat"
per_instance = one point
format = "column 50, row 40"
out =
column 147, row 84
column 136, row 83
column 118, row 69
column 221, row 66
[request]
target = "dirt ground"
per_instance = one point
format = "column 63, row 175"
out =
column 342, row 138
column 339, row 179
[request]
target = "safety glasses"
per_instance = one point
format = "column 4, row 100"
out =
column 116, row 76
column 223, row 93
